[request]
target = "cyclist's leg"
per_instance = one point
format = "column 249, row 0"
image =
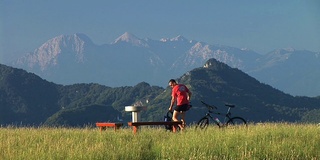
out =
column 183, row 115
column 175, row 116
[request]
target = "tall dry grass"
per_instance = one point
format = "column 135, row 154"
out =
column 264, row 141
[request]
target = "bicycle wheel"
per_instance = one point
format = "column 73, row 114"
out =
column 236, row 122
column 203, row 123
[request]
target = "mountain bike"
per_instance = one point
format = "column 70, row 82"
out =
column 229, row 121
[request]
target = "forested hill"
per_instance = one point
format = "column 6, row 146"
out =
column 217, row 83
column 26, row 99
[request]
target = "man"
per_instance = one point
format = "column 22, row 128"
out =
column 181, row 95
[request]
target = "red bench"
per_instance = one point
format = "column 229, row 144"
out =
column 135, row 125
column 103, row 125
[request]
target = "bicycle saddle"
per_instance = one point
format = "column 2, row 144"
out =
column 230, row 105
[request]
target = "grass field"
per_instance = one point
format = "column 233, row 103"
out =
column 264, row 141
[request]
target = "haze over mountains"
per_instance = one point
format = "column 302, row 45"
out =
column 69, row 59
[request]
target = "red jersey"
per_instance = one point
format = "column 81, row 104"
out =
column 180, row 92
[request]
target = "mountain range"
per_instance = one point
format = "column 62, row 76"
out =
column 70, row 59
column 28, row 100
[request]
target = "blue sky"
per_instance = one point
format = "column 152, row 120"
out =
column 255, row 24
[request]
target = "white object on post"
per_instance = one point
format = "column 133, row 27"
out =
column 135, row 112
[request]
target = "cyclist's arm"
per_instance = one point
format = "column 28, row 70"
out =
column 173, row 99
column 189, row 95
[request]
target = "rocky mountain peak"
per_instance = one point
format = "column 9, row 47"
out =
column 277, row 56
column 179, row 38
column 130, row 38
column 200, row 47
column 47, row 54
column 176, row 39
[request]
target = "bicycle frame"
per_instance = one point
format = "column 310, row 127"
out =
column 227, row 116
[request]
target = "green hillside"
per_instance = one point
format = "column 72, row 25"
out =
column 218, row 84
column 25, row 98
